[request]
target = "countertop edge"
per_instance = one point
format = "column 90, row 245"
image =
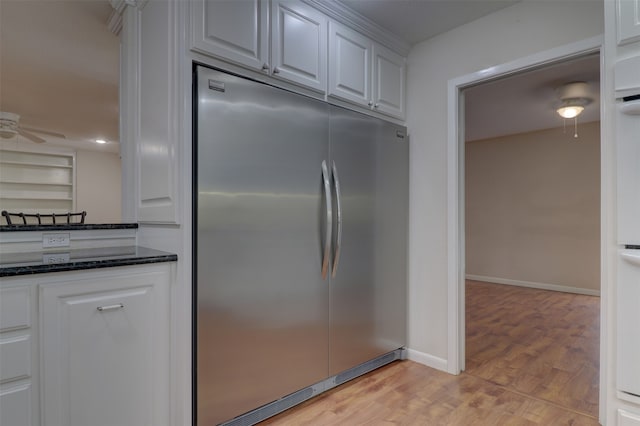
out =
column 12, row 271
column 67, row 227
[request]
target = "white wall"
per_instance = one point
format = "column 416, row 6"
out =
column 98, row 191
column 509, row 34
column 532, row 209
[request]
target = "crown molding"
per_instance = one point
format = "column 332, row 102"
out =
column 354, row 20
column 114, row 23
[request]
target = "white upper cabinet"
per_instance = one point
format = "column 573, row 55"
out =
column 234, row 30
column 350, row 59
column 299, row 44
column 628, row 21
column 389, row 74
column 365, row 73
column 239, row 32
column 294, row 42
column 156, row 106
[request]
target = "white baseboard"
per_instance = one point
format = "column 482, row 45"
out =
column 541, row 286
column 428, row 360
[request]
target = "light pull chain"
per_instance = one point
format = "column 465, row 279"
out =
column 575, row 129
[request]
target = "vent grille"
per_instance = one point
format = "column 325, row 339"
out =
column 368, row 366
column 273, row 408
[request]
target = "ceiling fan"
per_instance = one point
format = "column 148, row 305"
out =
column 9, row 127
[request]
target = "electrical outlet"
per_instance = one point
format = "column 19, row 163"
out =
column 52, row 258
column 55, row 240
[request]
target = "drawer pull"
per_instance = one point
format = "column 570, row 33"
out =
column 110, row 307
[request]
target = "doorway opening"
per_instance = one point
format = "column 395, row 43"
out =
column 514, row 226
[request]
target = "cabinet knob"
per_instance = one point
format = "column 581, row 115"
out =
column 376, row 105
column 265, row 67
column 110, row 307
column 276, row 70
column 370, row 103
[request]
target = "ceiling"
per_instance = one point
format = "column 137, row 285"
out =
column 59, row 66
column 528, row 101
column 418, row 20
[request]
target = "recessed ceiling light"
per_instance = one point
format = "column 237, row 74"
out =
column 101, row 141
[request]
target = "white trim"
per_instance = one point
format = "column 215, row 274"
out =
column 455, row 170
column 530, row 284
column 428, row 360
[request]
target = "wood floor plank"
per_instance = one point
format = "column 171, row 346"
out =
column 532, row 359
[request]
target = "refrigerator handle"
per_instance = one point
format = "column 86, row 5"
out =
column 336, row 256
column 329, row 223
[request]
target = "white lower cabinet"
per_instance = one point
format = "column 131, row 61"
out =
column 105, row 350
column 86, row 348
column 15, row 405
column 626, row 418
column 18, row 357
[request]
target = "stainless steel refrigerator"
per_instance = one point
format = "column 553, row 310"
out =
column 301, row 212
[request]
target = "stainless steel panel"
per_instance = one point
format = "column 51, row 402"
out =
column 368, row 293
column 262, row 306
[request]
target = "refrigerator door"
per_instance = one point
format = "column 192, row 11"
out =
column 261, row 310
column 367, row 291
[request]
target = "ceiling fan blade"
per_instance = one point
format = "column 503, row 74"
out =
column 31, row 136
column 44, row 132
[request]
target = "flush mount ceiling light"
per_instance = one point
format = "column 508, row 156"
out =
column 570, row 111
column 573, row 98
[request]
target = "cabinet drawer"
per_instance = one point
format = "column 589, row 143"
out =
column 15, row 356
column 15, row 405
column 14, row 308
column 626, row 418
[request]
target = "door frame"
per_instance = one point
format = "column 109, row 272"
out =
column 456, row 193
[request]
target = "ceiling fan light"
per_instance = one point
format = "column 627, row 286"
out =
column 570, row 111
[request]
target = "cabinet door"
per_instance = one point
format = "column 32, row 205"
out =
column 157, row 109
column 232, row 30
column 105, row 350
column 628, row 21
column 299, row 44
column 349, row 65
column 389, row 77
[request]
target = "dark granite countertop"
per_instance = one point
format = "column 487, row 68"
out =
column 67, row 227
column 13, row 264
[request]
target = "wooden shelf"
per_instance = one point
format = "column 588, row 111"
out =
column 16, row 182
column 37, row 181
column 26, row 197
column 23, row 163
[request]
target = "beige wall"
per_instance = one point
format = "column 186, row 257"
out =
column 501, row 37
column 98, row 183
column 533, row 208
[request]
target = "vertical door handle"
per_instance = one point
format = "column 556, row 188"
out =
column 336, row 256
column 329, row 222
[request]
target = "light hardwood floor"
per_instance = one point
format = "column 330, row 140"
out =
column 532, row 359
